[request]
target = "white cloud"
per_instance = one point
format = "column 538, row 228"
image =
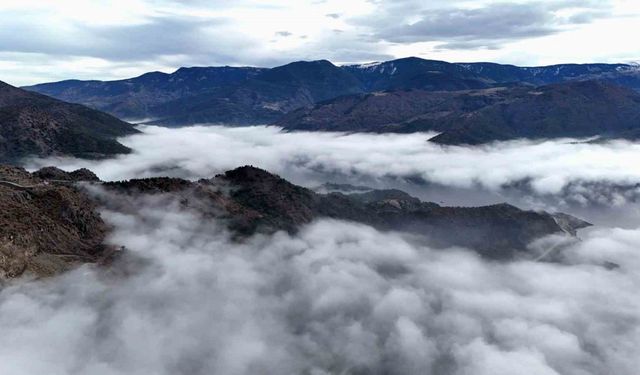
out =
column 310, row 158
column 320, row 303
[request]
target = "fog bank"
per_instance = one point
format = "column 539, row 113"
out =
column 343, row 298
column 338, row 298
column 308, row 158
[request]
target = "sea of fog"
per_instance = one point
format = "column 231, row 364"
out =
column 191, row 301
column 569, row 175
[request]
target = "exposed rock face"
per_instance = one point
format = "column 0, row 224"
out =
column 36, row 125
column 46, row 228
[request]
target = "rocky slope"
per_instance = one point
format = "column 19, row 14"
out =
column 568, row 109
column 49, row 223
column 34, row 124
column 46, row 227
column 252, row 200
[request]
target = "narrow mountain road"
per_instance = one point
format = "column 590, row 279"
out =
column 16, row 186
column 29, row 187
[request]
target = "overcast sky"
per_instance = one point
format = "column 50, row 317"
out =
column 43, row 40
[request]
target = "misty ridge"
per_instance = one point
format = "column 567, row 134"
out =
column 319, row 188
column 187, row 297
column 567, row 171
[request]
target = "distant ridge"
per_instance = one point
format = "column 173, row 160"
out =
column 567, row 109
column 247, row 95
column 32, row 124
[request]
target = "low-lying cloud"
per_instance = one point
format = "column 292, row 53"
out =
column 546, row 167
column 338, row 298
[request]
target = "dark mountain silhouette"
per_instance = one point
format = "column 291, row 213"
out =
column 137, row 98
column 568, row 109
column 225, row 94
column 571, row 109
column 259, row 201
column 402, row 111
column 264, row 98
column 258, row 95
column 621, row 74
column 415, row 73
column 50, row 223
column 34, row 124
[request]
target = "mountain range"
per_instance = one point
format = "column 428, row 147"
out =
column 247, row 95
column 32, row 124
column 568, row 109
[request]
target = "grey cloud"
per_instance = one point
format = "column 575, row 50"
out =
column 333, row 15
column 336, row 47
column 587, row 16
column 491, row 23
column 487, row 27
column 163, row 36
column 162, row 39
column 156, row 37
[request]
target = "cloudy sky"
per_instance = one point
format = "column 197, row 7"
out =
column 42, row 40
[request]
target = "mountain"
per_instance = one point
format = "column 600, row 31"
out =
column 401, row 111
column 264, row 98
column 47, row 228
column 571, row 109
column 627, row 75
column 248, row 200
column 252, row 200
column 214, row 95
column 415, row 73
column 34, row 124
column 245, row 95
column 567, row 109
column 468, row 103
column 138, row 97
